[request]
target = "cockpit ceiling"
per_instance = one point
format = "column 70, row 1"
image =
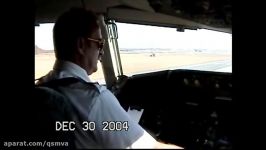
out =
column 215, row 13
column 191, row 14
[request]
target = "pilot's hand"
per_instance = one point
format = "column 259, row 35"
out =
column 167, row 146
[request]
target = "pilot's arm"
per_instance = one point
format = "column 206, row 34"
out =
column 107, row 108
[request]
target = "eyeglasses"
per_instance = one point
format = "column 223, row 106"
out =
column 100, row 43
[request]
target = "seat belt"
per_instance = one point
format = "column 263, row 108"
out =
column 61, row 82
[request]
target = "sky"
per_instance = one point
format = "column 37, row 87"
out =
column 44, row 36
column 141, row 36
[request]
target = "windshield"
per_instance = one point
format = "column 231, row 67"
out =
column 149, row 48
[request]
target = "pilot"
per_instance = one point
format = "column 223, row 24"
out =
column 78, row 44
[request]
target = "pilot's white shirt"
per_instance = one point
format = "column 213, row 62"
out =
column 97, row 104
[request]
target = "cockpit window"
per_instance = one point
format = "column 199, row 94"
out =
column 150, row 48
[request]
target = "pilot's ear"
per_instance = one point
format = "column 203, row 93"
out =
column 81, row 45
